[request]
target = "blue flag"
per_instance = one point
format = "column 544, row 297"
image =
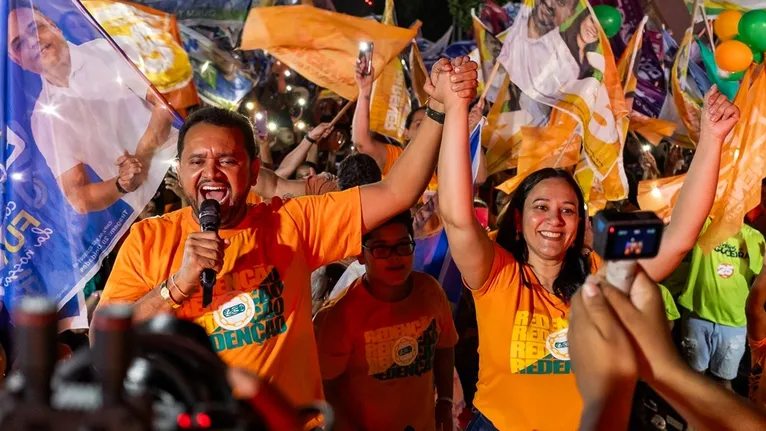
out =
column 432, row 254
column 77, row 118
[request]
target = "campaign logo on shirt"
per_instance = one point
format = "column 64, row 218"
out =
column 558, row 344
column 405, row 350
column 725, row 270
column 401, row 351
column 236, row 313
column 246, row 318
column 539, row 344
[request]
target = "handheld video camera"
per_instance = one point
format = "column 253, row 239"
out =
column 621, row 238
column 163, row 375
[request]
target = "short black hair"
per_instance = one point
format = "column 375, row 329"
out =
column 404, row 218
column 358, row 170
column 411, row 116
column 222, row 118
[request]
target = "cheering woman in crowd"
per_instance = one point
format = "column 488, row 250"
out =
column 522, row 284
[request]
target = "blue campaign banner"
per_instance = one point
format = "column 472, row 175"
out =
column 432, row 254
column 218, row 76
column 78, row 119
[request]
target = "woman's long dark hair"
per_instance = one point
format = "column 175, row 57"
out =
column 576, row 265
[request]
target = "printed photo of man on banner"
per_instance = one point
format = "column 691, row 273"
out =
column 87, row 143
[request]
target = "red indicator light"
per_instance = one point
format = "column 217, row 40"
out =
column 184, row 421
column 203, row 420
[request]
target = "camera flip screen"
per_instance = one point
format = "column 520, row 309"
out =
column 627, row 236
column 633, row 242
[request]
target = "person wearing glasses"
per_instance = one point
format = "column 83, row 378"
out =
column 387, row 340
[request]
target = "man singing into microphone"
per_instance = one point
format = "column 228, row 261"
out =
column 260, row 315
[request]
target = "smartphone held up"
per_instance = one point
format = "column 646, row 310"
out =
column 261, row 119
column 365, row 56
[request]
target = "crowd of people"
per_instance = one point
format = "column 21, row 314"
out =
column 316, row 290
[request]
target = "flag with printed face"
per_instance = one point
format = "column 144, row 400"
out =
column 561, row 62
column 151, row 40
column 739, row 178
column 77, row 117
column 325, row 46
column 390, row 104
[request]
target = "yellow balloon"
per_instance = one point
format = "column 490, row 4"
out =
column 726, row 26
column 733, row 56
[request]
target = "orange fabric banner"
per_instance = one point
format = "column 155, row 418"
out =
column 325, row 46
column 151, row 40
column 419, row 74
column 390, row 104
column 742, row 168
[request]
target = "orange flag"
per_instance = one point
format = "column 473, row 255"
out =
column 502, row 133
column 660, row 195
column 390, row 104
column 419, row 74
column 742, row 164
column 325, row 46
column 152, row 42
column 541, row 147
column 653, row 129
column 739, row 178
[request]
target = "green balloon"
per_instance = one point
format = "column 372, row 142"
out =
column 610, row 19
column 736, row 76
column 752, row 28
column 757, row 55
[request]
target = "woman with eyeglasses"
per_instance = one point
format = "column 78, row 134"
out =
column 388, row 340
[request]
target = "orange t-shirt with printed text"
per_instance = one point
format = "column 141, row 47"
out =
column 381, row 354
column 525, row 376
column 260, row 318
column 392, row 154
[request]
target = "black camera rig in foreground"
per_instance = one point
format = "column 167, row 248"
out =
column 164, row 375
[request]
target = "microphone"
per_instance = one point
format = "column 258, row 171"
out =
column 210, row 221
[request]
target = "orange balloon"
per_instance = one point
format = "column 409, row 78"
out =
column 733, row 56
column 726, row 26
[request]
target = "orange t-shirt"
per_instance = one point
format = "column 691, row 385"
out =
column 260, row 318
column 392, row 154
column 757, row 391
column 525, row 377
column 382, row 354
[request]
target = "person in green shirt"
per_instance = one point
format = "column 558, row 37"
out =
column 715, row 295
column 671, row 310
